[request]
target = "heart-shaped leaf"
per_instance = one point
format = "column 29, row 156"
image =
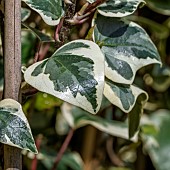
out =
column 123, row 96
column 50, row 10
column 74, row 73
column 126, row 47
column 14, row 127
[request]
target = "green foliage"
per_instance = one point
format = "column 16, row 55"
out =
column 156, row 143
column 105, row 74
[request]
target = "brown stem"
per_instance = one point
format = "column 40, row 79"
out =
column 2, row 36
column 113, row 157
column 63, row 148
column 43, row 51
column 58, row 29
column 12, row 71
column 66, row 26
column 36, row 57
column 38, row 144
column 93, row 5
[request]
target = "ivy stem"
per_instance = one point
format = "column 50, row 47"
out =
column 63, row 148
column 111, row 153
column 58, row 28
column 93, row 5
column 64, row 28
column 36, row 57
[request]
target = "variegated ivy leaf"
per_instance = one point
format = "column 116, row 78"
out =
column 74, row 73
column 126, row 47
column 50, row 10
column 14, row 127
column 118, row 8
column 25, row 13
column 122, row 95
column 77, row 118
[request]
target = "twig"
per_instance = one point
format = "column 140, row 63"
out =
column 38, row 144
column 36, row 57
column 65, row 27
column 93, row 5
column 113, row 157
column 58, row 29
column 63, row 148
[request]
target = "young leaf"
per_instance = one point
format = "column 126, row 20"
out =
column 126, row 47
column 122, row 95
column 118, row 8
column 50, row 10
column 77, row 118
column 14, row 127
column 74, row 73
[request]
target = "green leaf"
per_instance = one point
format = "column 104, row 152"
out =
column 77, row 118
column 14, row 127
column 74, row 73
column 126, row 47
column 162, row 7
column 134, row 115
column 122, row 95
column 157, row 144
column 118, row 8
column 25, row 13
column 50, row 10
column 41, row 36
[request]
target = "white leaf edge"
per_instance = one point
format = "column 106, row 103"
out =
column 48, row 20
column 28, row 14
column 14, row 104
column 118, row 14
column 115, row 100
column 44, row 84
column 135, row 65
column 110, row 129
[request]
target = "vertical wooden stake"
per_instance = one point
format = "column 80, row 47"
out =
column 12, row 70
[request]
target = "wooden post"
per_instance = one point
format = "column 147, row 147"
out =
column 12, row 70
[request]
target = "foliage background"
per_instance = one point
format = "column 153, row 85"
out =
column 90, row 148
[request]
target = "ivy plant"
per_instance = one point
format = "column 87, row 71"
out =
column 82, row 71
